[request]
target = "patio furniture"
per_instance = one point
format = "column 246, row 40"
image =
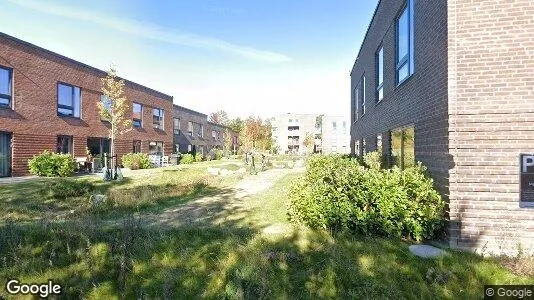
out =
column 155, row 160
column 165, row 161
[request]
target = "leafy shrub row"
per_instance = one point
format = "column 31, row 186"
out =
column 135, row 161
column 340, row 193
column 51, row 164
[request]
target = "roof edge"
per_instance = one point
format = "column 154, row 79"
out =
column 365, row 36
column 70, row 60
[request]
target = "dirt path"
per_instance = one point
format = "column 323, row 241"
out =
column 226, row 206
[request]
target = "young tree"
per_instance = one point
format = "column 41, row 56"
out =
column 309, row 141
column 113, row 108
column 219, row 117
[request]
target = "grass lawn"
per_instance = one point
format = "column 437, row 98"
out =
column 140, row 191
column 256, row 254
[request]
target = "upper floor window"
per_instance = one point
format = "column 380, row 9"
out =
column 362, row 94
column 380, row 74
column 6, row 79
column 190, row 128
column 68, row 100
column 405, row 43
column 201, row 130
column 334, row 125
column 158, row 118
column 356, row 100
column 137, row 115
column 176, row 126
column 106, row 103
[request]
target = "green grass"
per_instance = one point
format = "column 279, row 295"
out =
column 140, row 191
column 238, row 258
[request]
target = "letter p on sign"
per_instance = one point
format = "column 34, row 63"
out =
column 528, row 161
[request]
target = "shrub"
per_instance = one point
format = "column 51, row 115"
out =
column 65, row 188
column 219, row 154
column 136, row 161
column 187, row 159
column 51, row 164
column 338, row 193
column 199, row 157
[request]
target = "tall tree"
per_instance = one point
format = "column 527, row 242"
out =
column 236, row 124
column 219, row 117
column 113, row 108
column 256, row 134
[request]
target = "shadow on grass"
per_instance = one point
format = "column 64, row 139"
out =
column 228, row 260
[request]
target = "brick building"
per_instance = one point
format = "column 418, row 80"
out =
column 449, row 83
column 49, row 102
column 193, row 133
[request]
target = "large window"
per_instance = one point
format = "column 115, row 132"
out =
column 68, row 100
column 402, row 147
column 64, row 144
column 362, row 94
column 155, row 148
column 380, row 74
column 158, row 118
column 6, row 78
column 137, row 115
column 176, row 123
column 405, row 43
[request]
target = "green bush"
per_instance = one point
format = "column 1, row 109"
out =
column 218, row 154
column 199, row 157
column 135, row 161
column 65, row 188
column 52, row 165
column 187, row 159
column 339, row 193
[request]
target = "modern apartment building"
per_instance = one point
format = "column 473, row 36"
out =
column 49, row 102
column 290, row 130
column 451, row 84
column 335, row 135
column 193, row 132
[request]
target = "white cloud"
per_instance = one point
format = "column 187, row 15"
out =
column 150, row 31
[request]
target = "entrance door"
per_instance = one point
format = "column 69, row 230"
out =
column 5, row 154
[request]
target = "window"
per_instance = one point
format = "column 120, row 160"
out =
column 357, row 147
column 364, row 150
column 293, row 128
column 201, row 130
column 158, row 118
column 218, row 135
column 106, row 103
column 155, row 148
column 213, row 135
column 136, row 147
column 402, row 147
column 344, row 127
column 64, row 144
column 380, row 74
column 6, row 85
column 68, row 100
column 379, row 143
column 405, row 43
column 137, row 115
column 99, row 146
column 189, row 148
column 334, row 126
column 176, row 125
column 362, row 94
column 356, row 100
column 190, row 128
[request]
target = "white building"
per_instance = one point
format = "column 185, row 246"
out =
column 335, row 135
column 290, row 131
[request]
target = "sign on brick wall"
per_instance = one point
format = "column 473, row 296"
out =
column 527, row 177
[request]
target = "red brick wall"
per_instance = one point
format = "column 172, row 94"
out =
column 491, row 96
column 33, row 119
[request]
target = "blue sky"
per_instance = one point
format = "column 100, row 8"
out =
column 246, row 57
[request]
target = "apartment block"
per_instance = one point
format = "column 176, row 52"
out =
column 193, row 133
column 49, row 102
column 451, row 84
column 335, row 135
column 290, row 130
